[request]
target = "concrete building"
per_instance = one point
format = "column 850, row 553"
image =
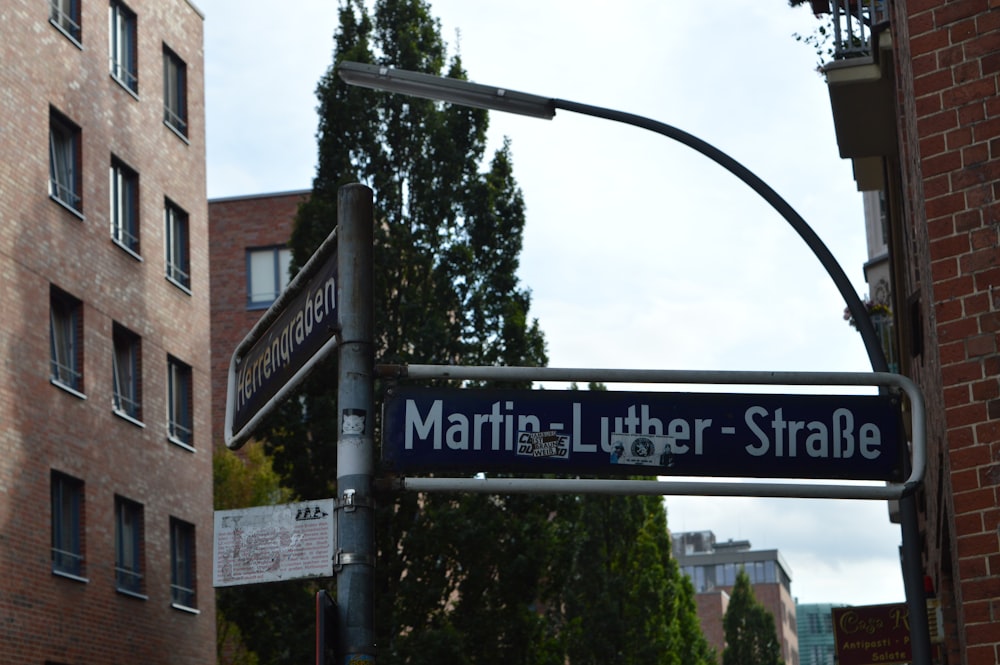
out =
column 713, row 566
column 105, row 432
column 914, row 93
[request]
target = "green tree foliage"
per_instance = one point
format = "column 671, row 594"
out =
column 624, row 600
column 248, row 617
column 751, row 637
column 481, row 580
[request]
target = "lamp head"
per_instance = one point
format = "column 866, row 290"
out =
column 438, row 88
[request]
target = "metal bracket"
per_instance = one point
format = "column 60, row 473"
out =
column 342, row 558
column 349, row 501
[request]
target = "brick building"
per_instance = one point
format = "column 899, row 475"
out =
column 249, row 267
column 105, row 432
column 713, row 566
column 914, row 92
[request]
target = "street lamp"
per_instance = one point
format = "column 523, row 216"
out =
column 467, row 93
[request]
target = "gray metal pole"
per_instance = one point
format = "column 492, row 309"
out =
column 354, row 559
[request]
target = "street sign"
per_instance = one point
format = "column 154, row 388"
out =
column 295, row 333
column 855, row 437
column 872, row 634
column 273, row 543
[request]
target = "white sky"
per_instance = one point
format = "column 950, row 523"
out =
column 639, row 252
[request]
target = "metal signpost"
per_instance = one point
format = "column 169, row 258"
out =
column 327, row 306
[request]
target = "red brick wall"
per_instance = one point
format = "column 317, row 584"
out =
column 237, row 224
column 775, row 598
column 42, row 427
column 948, row 63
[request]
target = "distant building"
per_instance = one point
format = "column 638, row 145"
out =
column 105, row 431
column 713, row 566
column 816, row 645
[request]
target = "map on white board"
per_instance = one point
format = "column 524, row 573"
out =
column 274, row 543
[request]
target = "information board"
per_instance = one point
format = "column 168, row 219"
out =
column 273, row 543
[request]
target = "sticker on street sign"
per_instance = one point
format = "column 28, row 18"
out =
column 295, row 333
column 856, row 437
column 274, row 543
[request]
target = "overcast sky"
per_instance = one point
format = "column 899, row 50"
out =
column 639, row 252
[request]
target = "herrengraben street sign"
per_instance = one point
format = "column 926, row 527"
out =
column 296, row 332
column 853, row 437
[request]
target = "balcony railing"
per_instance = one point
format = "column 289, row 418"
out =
column 855, row 24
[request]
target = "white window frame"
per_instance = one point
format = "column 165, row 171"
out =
column 65, row 15
column 126, row 372
column 66, row 340
column 177, row 246
column 129, row 540
column 122, row 49
column 175, row 92
column 274, row 262
column 65, row 184
column 68, row 509
column 183, row 574
column 124, row 189
column 180, row 403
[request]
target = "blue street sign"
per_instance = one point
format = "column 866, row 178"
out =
column 293, row 335
column 856, row 437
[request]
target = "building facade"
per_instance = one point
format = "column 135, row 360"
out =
column 815, row 624
column 713, row 566
column 105, row 431
column 914, row 93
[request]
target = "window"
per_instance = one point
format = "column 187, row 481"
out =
column 122, row 35
column 267, row 275
column 182, row 561
column 127, row 373
column 174, row 92
column 128, row 546
column 65, row 15
column 66, row 339
column 178, row 256
column 65, row 184
column 179, row 418
column 124, row 206
column 67, row 525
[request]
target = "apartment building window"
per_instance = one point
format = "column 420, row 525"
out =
column 174, row 92
column 65, row 15
column 127, row 373
column 123, row 54
column 124, row 206
column 128, row 546
column 180, row 421
column 182, row 564
column 66, row 339
column 65, row 183
column 67, row 525
column 267, row 275
column 178, row 255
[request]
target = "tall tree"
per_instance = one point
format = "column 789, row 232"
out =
column 751, row 637
column 457, row 577
column 472, row 579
